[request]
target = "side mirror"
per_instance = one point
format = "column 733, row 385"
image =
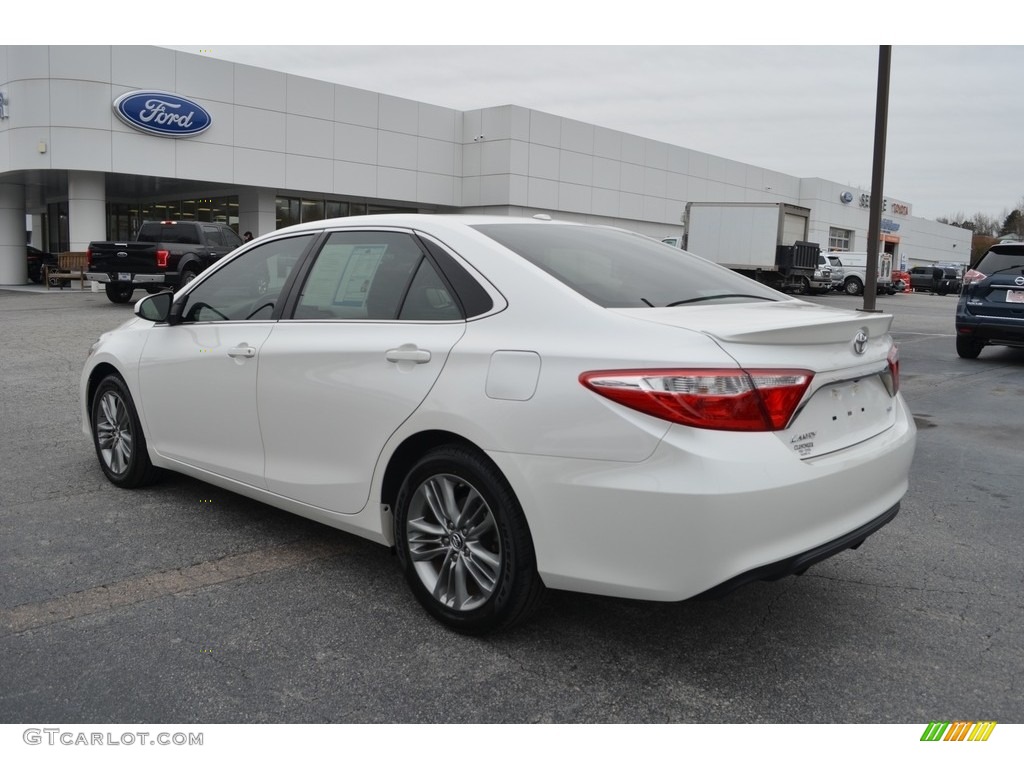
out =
column 156, row 307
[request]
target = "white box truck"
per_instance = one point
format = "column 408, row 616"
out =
column 765, row 241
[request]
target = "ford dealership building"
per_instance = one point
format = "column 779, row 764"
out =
column 96, row 139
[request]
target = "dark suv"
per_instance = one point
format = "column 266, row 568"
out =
column 940, row 280
column 991, row 306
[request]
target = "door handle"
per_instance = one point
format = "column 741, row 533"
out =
column 242, row 350
column 408, row 353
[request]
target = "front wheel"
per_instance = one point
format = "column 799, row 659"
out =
column 117, row 436
column 464, row 544
column 119, row 293
column 852, row 286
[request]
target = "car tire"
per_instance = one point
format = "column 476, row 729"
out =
column 117, row 435
column 188, row 274
column 119, row 293
column 968, row 348
column 852, row 286
column 151, row 289
column 463, row 542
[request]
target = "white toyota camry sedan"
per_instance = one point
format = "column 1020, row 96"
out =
column 514, row 405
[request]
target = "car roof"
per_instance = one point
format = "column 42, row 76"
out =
column 414, row 220
column 1007, row 247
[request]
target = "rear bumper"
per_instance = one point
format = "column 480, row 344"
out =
column 137, row 279
column 796, row 565
column 990, row 330
column 708, row 511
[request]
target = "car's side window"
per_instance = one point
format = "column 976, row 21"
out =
column 213, row 236
column 248, row 287
column 230, row 238
column 374, row 276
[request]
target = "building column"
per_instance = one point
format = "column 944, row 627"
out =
column 13, row 267
column 257, row 211
column 87, row 208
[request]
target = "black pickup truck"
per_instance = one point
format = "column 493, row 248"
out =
column 940, row 280
column 164, row 254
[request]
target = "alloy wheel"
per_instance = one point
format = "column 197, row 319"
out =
column 114, row 433
column 453, row 542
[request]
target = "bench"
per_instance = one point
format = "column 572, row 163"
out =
column 71, row 265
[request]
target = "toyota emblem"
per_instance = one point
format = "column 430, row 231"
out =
column 860, row 342
column 1019, row 280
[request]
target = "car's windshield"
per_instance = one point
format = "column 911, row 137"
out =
column 614, row 268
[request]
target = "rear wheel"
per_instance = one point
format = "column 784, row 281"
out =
column 119, row 293
column 968, row 348
column 464, row 544
column 117, row 436
column 188, row 274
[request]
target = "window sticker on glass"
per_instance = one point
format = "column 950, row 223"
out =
column 355, row 282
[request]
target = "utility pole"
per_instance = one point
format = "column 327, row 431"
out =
column 877, row 178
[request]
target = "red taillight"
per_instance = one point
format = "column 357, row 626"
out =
column 728, row 399
column 973, row 276
column 88, row 259
column 161, row 258
column 894, row 369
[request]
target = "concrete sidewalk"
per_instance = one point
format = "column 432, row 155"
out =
column 90, row 287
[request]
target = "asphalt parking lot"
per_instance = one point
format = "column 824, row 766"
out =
column 182, row 603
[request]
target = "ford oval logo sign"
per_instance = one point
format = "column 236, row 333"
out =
column 162, row 114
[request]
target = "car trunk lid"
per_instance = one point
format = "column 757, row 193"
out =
column 851, row 396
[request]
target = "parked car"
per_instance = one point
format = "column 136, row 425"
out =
column 838, row 273
column 37, row 261
column 940, row 280
column 514, row 405
column 990, row 310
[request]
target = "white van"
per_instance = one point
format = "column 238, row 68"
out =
column 854, row 266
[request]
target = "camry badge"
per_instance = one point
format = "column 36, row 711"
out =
column 860, row 342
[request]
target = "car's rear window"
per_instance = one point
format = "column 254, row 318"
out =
column 997, row 261
column 158, row 232
column 615, row 268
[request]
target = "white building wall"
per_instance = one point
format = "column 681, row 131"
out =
column 274, row 132
column 269, row 129
column 921, row 241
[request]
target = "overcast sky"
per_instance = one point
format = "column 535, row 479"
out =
column 955, row 113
